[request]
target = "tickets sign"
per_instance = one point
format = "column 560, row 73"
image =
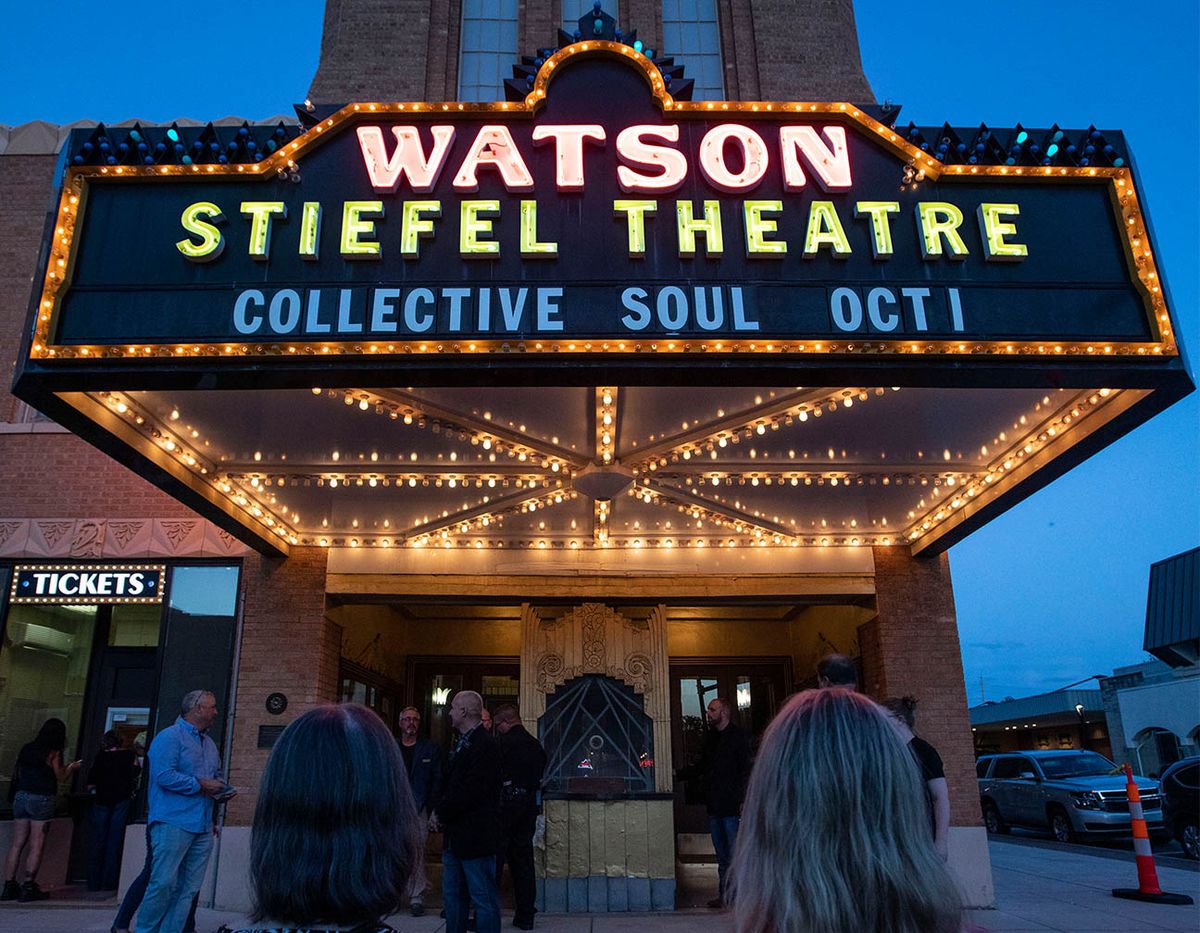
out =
column 87, row 584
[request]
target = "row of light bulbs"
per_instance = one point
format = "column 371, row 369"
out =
column 758, row 426
column 412, row 415
column 183, row 452
column 1013, row 459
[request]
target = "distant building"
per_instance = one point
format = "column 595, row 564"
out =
column 1061, row 719
column 1153, row 714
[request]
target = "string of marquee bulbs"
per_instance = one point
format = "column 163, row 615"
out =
column 245, row 491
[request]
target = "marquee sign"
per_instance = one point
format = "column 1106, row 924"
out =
column 87, row 584
column 599, row 215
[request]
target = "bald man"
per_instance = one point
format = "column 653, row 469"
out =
column 468, row 812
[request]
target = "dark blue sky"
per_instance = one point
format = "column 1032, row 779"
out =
column 1048, row 593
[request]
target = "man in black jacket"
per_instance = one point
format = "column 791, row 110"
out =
column 725, row 767
column 522, row 763
column 423, row 762
column 468, row 812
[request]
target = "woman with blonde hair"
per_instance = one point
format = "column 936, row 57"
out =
column 834, row 835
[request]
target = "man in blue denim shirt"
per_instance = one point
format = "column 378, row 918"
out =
column 184, row 778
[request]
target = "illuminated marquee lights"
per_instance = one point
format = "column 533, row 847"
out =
column 821, row 157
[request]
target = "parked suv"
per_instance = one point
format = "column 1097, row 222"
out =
column 1181, row 804
column 1074, row 793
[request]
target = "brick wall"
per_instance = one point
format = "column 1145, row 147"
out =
column 60, row 476
column 408, row 49
column 287, row 646
column 373, row 50
column 26, row 186
column 911, row 649
column 807, row 50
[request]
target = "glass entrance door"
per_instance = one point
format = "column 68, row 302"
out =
column 434, row 681
column 755, row 688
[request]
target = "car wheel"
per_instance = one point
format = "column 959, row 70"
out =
column 992, row 819
column 1060, row 826
column 1189, row 840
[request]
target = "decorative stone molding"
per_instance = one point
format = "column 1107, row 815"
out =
column 116, row 538
column 593, row 638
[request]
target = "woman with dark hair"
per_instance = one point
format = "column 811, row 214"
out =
column 335, row 828
column 834, row 834
column 34, row 787
column 111, row 781
column 902, row 712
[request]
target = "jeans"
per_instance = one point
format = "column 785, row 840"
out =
column 516, row 848
column 723, row 830
column 108, row 838
column 176, row 873
column 467, row 882
column 137, row 890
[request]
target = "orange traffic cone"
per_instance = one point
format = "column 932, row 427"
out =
column 1147, row 889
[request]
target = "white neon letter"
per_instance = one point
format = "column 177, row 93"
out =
column 494, row 146
column 408, row 158
column 568, row 151
column 670, row 164
column 830, row 162
column 754, row 157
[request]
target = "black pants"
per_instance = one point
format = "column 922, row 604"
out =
column 516, row 849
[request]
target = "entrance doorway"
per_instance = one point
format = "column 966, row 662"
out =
column 755, row 687
column 433, row 681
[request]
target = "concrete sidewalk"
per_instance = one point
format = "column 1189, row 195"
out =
column 1047, row 889
column 1037, row 889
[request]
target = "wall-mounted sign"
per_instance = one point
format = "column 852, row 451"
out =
column 599, row 215
column 87, row 584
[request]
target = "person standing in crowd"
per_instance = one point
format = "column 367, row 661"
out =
column 38, row 772
column 336, row 832
column 937, row 792
column 468, row 812
column 137, row 890
column 834, row 832
column 423, row 766
column 724, row 766
column 111, row 780
column 485, row 718
column 184, row 779
column 522, row 764
column 837, row 670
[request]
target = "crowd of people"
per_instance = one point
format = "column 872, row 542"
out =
column 837, row 822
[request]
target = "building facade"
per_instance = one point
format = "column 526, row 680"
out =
column 333, row 534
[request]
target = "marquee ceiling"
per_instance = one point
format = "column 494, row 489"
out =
column 605, row 466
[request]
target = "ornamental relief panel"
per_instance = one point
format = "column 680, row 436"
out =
column 595, row 639
column 115, row 539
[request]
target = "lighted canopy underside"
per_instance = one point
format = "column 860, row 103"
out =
column 705, row 467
